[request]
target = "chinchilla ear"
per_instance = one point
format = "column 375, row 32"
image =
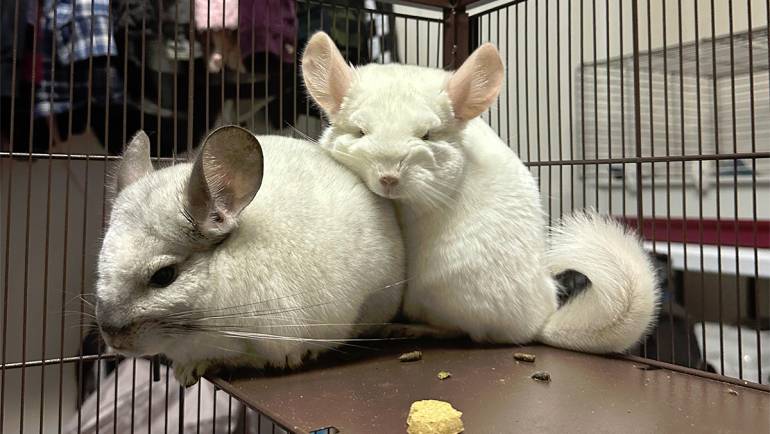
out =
column 225, row 178
column 327, row 77
column 475, row 86
column 135, row 163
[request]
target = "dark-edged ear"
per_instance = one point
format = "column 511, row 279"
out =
column 474, row 87
column 327, row 77
column 225, row 178
column 135, row 162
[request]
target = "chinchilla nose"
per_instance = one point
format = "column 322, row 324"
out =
column 388, row 180
column 117, row 336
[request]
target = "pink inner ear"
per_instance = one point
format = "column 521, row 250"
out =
column 327, row 76
column 474, row 87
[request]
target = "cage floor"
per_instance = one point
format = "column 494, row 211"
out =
column 371, row 391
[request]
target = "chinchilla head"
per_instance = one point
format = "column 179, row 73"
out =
column 399, row 127
column 164, row 227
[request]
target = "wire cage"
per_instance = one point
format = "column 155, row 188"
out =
column 652, row 111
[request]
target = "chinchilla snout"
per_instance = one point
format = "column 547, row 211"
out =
column 120, row 335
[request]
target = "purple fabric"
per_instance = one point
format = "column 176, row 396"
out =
column 271, row 25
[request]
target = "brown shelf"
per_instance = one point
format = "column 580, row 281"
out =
column 371, row 391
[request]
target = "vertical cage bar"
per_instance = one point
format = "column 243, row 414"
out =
column 682, row 138
column 559, row 141
column 669, row 288
column 456, row 37
column 700, row 180
column 608, row 64
column 715, row 89
column 735, row 189
column 548, row 115
column 595, row 50
column 6, row 283
column 652, row 154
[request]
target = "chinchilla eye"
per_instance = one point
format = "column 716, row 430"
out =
column 163, row 277
column 425, row 137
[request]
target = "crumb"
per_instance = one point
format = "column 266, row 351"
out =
column 646, row 367
column 732, row 392
column 443, row 375
column 411, row 356
column 434, row 417
column 543, row 376
column 524, row 357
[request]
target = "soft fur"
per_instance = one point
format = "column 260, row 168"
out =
column 474, row 226
column 620, row 306
column 313, row 260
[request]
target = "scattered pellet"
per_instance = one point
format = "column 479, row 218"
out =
column 732, row 392
column 443, row 375
column 543, row 376
column 411, row 356
column 524, row 357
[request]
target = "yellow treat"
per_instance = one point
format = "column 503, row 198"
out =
column 433, row 417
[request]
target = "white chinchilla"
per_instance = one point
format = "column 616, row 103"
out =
column 476, row 236
column 213, row 264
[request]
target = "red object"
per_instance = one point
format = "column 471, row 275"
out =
column 706, row 231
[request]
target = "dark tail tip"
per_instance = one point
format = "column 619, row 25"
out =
column 571, row 283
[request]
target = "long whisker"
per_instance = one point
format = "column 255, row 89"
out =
column 352, row 157
column 189, row 313
column 301, row 134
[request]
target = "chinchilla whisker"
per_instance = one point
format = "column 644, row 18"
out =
column 192, row 312
column 301, row 134
column 78, row 313
column 83, row 326
column 299, row 325
column 263, row 336
column 351, row 156
column 238, row 306
column 324, row 345
column 81, row 298
column 439, row 195
column 445, row 185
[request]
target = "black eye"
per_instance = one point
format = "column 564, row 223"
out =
column 163, row 277
column 361, row 133
column 425, row 137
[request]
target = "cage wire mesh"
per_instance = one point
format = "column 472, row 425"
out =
column 655, row 116
column 655, row 112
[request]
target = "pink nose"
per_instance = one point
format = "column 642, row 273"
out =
column 388, row 181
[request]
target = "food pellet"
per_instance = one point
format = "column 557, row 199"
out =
column 412, row 356
column 524, row 357
column 544, row 376
column 443, row 375
column 433, row 417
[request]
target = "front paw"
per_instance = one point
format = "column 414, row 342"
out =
column 189, row 374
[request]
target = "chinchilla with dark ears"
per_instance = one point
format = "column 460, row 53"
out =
column 262, row 252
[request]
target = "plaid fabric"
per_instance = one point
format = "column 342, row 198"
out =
column 53, row 93
column 82, row 28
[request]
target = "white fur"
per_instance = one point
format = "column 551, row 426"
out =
column 622, row 300
column 313, row 254
column 474, row 225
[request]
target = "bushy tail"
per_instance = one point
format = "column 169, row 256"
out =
column 619, row 304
